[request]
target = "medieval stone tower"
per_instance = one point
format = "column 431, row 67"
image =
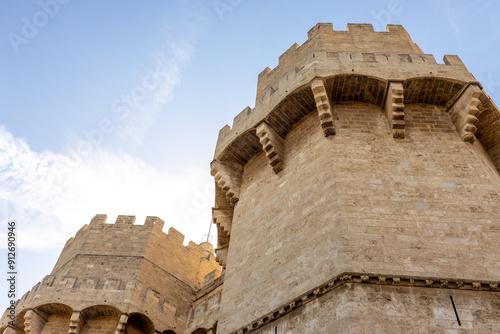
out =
column 360, row 195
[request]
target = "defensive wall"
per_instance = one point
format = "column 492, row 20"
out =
column 143, row 280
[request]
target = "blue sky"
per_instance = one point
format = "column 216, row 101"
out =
column 115, row 106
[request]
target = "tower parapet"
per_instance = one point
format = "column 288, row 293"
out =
column 359, row 52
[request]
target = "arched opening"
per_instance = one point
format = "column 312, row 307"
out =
column 100, row 318
column 431, row 104
column 200, row 331
column 356, row 88
column 57, row 318
column 291, row 110
column 431, row 90
column 139, row 323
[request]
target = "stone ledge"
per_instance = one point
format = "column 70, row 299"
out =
column 363, row 278
column 211, row 287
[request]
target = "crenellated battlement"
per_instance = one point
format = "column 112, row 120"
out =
column 122, row 223
column 148, row 240
column 359, row 50
column 101, row 238
column 323, row 38
column 125, row 219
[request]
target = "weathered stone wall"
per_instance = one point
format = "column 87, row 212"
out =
column 204, row 313
column 100, row 325
column 367, row 309
column 422, row 206
column 360, row 201
column 56, row 324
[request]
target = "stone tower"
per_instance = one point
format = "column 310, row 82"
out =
column 117, row 278
column 360, row 195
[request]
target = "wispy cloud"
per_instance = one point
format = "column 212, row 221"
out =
column 147, row 99
column 52, row 195
column 49, row 209
column 131, row 114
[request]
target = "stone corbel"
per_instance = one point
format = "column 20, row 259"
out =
column 272, row 144
column 394, row 108
column 12, row 330
column 464, row 112
column 324, row 106
column 76, row 323
column 228, row 178
column 34, row 322
column 223, row 218
column 221, row 255
column 122, row 323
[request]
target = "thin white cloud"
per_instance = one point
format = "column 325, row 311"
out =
column 52, row 195
column 51, row 201
column 157, row 84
